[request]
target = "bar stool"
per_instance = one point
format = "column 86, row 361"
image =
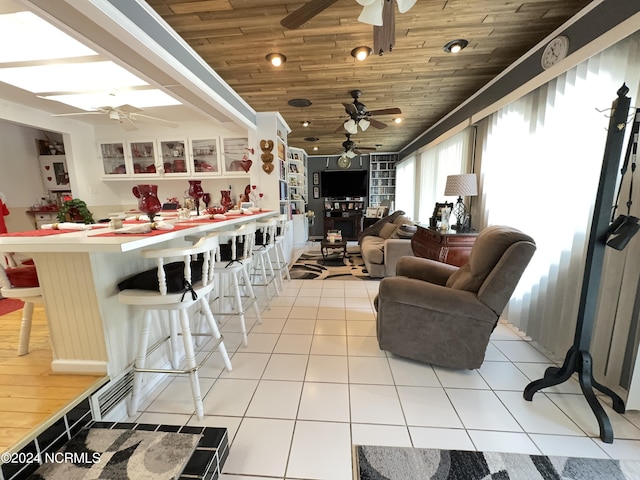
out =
column 280, row 263
column 263, row 273
column 31, row 296
column 177, row 304
column 232, row 265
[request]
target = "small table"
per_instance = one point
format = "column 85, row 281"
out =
column 326, row 245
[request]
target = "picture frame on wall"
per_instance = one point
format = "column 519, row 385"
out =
column 316, row 178
column 316, row 192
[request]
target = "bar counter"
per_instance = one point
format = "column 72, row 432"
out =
column 91, row 332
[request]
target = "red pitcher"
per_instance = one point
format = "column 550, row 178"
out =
column 196, row 192
column 148, row 202
column 225, row 200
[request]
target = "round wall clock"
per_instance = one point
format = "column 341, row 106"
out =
column 344, row 162
column 555, row 51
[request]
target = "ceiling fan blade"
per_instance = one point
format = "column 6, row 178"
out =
column 377, row 124
column 361, row 150
column 147, row 118
column 386, row 111
column 126, row 108
column 77, row 113
column 350, row 108
column 128, row 124
column 340, row 129
column 384, row 37
column 305, row 13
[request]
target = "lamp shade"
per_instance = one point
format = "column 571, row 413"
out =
column 463, row 185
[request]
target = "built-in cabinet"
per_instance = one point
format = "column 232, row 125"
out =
column 175, row 157
column 382, row 178
column 344, row 215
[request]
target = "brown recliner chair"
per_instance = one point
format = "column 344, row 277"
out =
column 444, row 315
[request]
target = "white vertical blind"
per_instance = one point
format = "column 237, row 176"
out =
column 450, row 157
column 540, row 164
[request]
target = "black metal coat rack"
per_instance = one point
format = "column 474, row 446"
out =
column 578, row 358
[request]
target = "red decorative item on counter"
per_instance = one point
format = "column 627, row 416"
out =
column 226, row 200
column 148, row 201
column 196, row 192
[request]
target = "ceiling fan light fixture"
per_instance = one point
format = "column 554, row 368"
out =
column 405, row 5
column 113, row 115
column 305, row 123
column 276, row 59
column 372, row 13
column 351, row 126
column 361, row 53
column 364, row 124
column 350, row 154
column 455, row 46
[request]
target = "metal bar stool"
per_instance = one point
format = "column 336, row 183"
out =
column 232, row 265
column 31, row 296
column 193, row 293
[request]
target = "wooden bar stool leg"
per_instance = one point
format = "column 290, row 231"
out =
column 141, row 357
column 238, row 300
column 191, row 363
column 174, row 344
column 216, row 333
column 25, row 328
column 252, row 295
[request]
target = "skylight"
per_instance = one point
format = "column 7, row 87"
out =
column 48, row 62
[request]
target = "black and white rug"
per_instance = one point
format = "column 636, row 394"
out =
column 400, row 463
column 311, row 266
column 97, row 453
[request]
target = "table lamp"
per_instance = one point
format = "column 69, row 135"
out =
column 462, row 185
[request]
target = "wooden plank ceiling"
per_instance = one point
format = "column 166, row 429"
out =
column 234, row 36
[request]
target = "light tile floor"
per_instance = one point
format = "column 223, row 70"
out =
column 312, row 382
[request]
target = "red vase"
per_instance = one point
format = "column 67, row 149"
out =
column 196, row 192
column 226, row 200
column 148, row 202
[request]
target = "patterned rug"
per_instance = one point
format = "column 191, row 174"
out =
column 120, row 454
column 399, row 463
column 311, row 266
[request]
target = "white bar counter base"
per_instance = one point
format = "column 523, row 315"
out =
column 91, row 332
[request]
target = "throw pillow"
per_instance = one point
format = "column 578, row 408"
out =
column 23, row 277
column 388, row 230
column 405, row 231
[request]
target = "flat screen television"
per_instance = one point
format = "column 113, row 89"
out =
column 344, row 183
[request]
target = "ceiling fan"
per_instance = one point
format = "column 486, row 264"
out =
column 127, row 115
column 379, row 13
column 360, row 116
column 351, row 150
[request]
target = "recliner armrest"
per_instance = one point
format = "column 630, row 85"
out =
column 421, row 294
column 394, row 250
column 425, row 269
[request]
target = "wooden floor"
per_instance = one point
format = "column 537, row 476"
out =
column 30, row 393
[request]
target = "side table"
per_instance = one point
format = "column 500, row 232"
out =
column 446, row 247
column 326, row 245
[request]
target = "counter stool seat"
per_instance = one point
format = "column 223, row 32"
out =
column 178, row 305
column 280, row 262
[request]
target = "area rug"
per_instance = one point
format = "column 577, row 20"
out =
column 311, row 266
column 400, row 463
column 8, row 305
column 120, row 455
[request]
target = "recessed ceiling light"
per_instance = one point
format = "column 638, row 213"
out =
column 315, row 149
column 361, row 53
column 311, row 139
column 276, row 59
column 397, row 120
column 299, row 102
column 454, row 46
column 306, row 123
